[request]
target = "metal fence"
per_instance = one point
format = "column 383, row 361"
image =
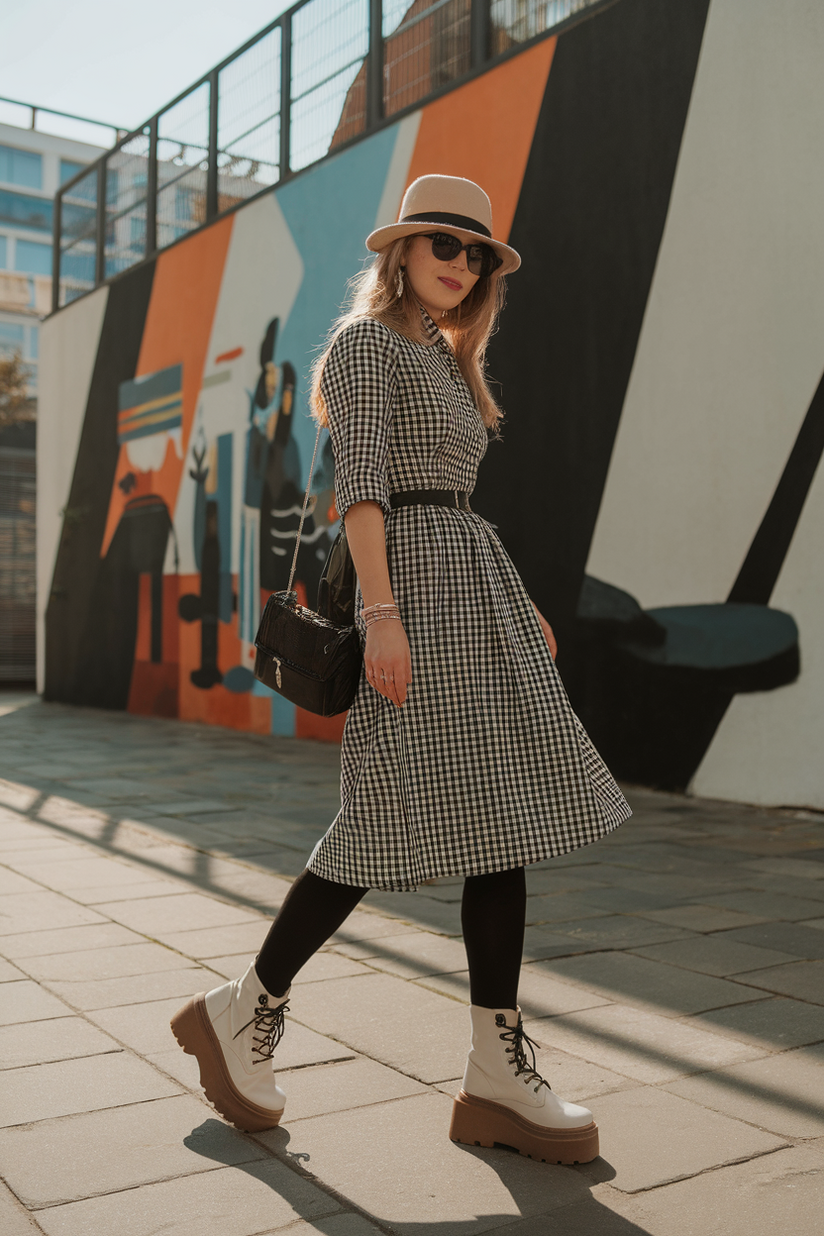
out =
column 324, row 73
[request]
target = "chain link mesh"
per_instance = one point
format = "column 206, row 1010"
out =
column 248, row 141
column 182, row 166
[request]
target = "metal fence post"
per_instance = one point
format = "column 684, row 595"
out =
column 151, row 190
column 479, row 31
column 211, row 171
column 374, row 69
column 56, row 250
column 100, row 229
column 285, row 93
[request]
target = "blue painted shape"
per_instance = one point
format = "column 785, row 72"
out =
column 244, row 580
column 224, row 525
column 283, row 716
column 331, row 245
column 239, row 679
column 150, row 404
column 137, row 392
column 716, row 637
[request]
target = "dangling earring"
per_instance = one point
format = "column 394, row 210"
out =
column 444, row 313
column 399, row 282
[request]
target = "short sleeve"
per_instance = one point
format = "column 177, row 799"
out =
column 358, row 385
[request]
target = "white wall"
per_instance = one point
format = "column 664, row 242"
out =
column 731, row 352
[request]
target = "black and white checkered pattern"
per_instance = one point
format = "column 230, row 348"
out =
column 486, row 766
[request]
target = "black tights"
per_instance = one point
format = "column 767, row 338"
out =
column 493, row 910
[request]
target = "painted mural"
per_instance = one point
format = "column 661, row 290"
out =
column 657, row 484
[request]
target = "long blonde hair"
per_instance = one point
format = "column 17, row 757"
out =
column 372, row 293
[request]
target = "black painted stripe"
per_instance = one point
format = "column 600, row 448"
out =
column 83, row 622
column 765, row 557
column 588, row 226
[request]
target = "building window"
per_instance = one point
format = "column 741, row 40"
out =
column 33, row 258
column 11, row 338
column 3, row 253
column 78, row 267
column 69, row 168
column 184, row 204
column 137, row 232
column 21, row 167
column 34, row 342
column 24, row 211
column 85, row 190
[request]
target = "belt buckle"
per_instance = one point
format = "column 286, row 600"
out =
column 457, row 499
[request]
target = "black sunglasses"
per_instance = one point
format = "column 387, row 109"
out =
column 481, row 259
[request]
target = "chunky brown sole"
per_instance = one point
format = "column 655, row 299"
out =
column 480, row 1122
column 194, row 1032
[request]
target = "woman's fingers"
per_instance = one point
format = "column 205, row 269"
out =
column 392, row 685
column 388, row 660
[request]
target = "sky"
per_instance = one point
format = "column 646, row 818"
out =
column 114, row 62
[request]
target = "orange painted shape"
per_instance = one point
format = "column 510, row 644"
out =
column 178, row 324
column 171, row 621
column 153, row 690
column 143, row 643
column 484, row 130
column 324, row 729
column 227, row 356
column 217, row 705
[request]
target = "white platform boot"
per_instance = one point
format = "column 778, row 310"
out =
column 504, row 1098
column 232, row 1031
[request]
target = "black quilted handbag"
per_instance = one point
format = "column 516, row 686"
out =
column 313, row 659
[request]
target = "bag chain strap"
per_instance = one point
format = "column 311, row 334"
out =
column 303, row 512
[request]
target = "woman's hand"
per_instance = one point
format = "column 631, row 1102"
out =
column 387, row 658
column 548, row 632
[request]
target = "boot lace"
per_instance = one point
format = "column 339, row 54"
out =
column 519, row 1040
column 269, row 1027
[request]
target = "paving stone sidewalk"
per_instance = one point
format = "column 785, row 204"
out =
column 674, row 977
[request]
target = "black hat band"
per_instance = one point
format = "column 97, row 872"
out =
column 460, row 221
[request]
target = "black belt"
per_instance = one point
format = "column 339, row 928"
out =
column 457, row 498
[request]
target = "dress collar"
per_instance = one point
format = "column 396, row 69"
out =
column 434, row 332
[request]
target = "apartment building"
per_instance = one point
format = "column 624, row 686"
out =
column 33, row 166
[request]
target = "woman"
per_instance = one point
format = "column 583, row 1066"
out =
column 461, row 754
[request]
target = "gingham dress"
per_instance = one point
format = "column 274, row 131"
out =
column 486, row 766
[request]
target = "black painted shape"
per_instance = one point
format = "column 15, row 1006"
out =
column 763, row 563
column 281, row 504
column 149, row 524
column 76, row 624
column 588, row 225
column 107, row 649
column 656, row 727
column 208, row 674
column 739, row 645
column 613, row 613
column 652, row 724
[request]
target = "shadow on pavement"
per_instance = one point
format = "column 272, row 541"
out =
column 530, row 1190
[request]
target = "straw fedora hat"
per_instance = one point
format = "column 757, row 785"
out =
column 451, row 203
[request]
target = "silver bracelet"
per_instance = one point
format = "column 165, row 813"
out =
column 377, row 618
